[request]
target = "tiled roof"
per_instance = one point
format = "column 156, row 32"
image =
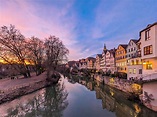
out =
column 112, row 51
column 71, row 63
column 124, row 45
column 105, row 51
column 148, row 26
column 99, row 55
column 90, row 58
column 134, row 40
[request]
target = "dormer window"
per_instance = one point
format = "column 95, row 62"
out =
column 147, row 34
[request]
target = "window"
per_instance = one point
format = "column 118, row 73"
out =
column 122, row 64
column 148, row 50
column 134, row 71
column 139, row 54
column 149, row 66
column 140, row 71
column 147, row 34
column 130, row 71
column 139, row 46
column 137, row 62
column 132, row 62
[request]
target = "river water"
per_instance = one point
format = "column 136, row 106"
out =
column 75, row 99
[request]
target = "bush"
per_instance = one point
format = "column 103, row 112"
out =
column 112, row 75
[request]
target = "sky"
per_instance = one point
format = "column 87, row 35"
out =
column 83, row 25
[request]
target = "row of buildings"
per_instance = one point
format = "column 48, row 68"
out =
column 137, row 59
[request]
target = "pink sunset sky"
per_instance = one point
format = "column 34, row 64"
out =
column 83, row 26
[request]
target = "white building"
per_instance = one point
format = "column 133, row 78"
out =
column 98, row 60
column 148, row 39
column 103, row 59
column 134, row 62
column 110, row 61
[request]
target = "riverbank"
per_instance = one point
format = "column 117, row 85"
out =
column 11, row 89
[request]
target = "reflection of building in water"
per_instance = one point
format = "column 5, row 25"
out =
column 90, row 86
column 115, row 101
column 108, row 101
column 123, row 110
column 97, row 83
column 97, row 90
column 82, row 82
column 98, row 77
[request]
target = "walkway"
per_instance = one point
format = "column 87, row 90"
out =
column 8, row 83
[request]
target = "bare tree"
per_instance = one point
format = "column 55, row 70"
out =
column 36, row 53
column 13, row 49
column 56, row 52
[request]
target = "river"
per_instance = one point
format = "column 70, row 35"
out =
column 74, row 99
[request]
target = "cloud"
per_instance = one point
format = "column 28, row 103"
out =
column 36, row 19
column 83, row 27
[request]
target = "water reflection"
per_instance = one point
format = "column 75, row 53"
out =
column 116, row 101
column 48, row 102
column 75, row 98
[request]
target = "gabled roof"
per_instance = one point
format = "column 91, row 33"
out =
column 81, row 60
column 104, row 51
column 112, row 51
column 90, row 58
column 71, row 63
column 77, row 63
column 99, row 55
column 123, row 45
column 134, row 40
column 148, row 26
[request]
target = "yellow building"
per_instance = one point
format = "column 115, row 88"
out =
column 121, row 58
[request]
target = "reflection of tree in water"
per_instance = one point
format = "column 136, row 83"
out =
column 50, row 103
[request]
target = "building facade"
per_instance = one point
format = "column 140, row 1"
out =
column 98, row 60
column 103, row 59
column 110, row 61
column 121, row 58
column 134, row 62
column 148, row 39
